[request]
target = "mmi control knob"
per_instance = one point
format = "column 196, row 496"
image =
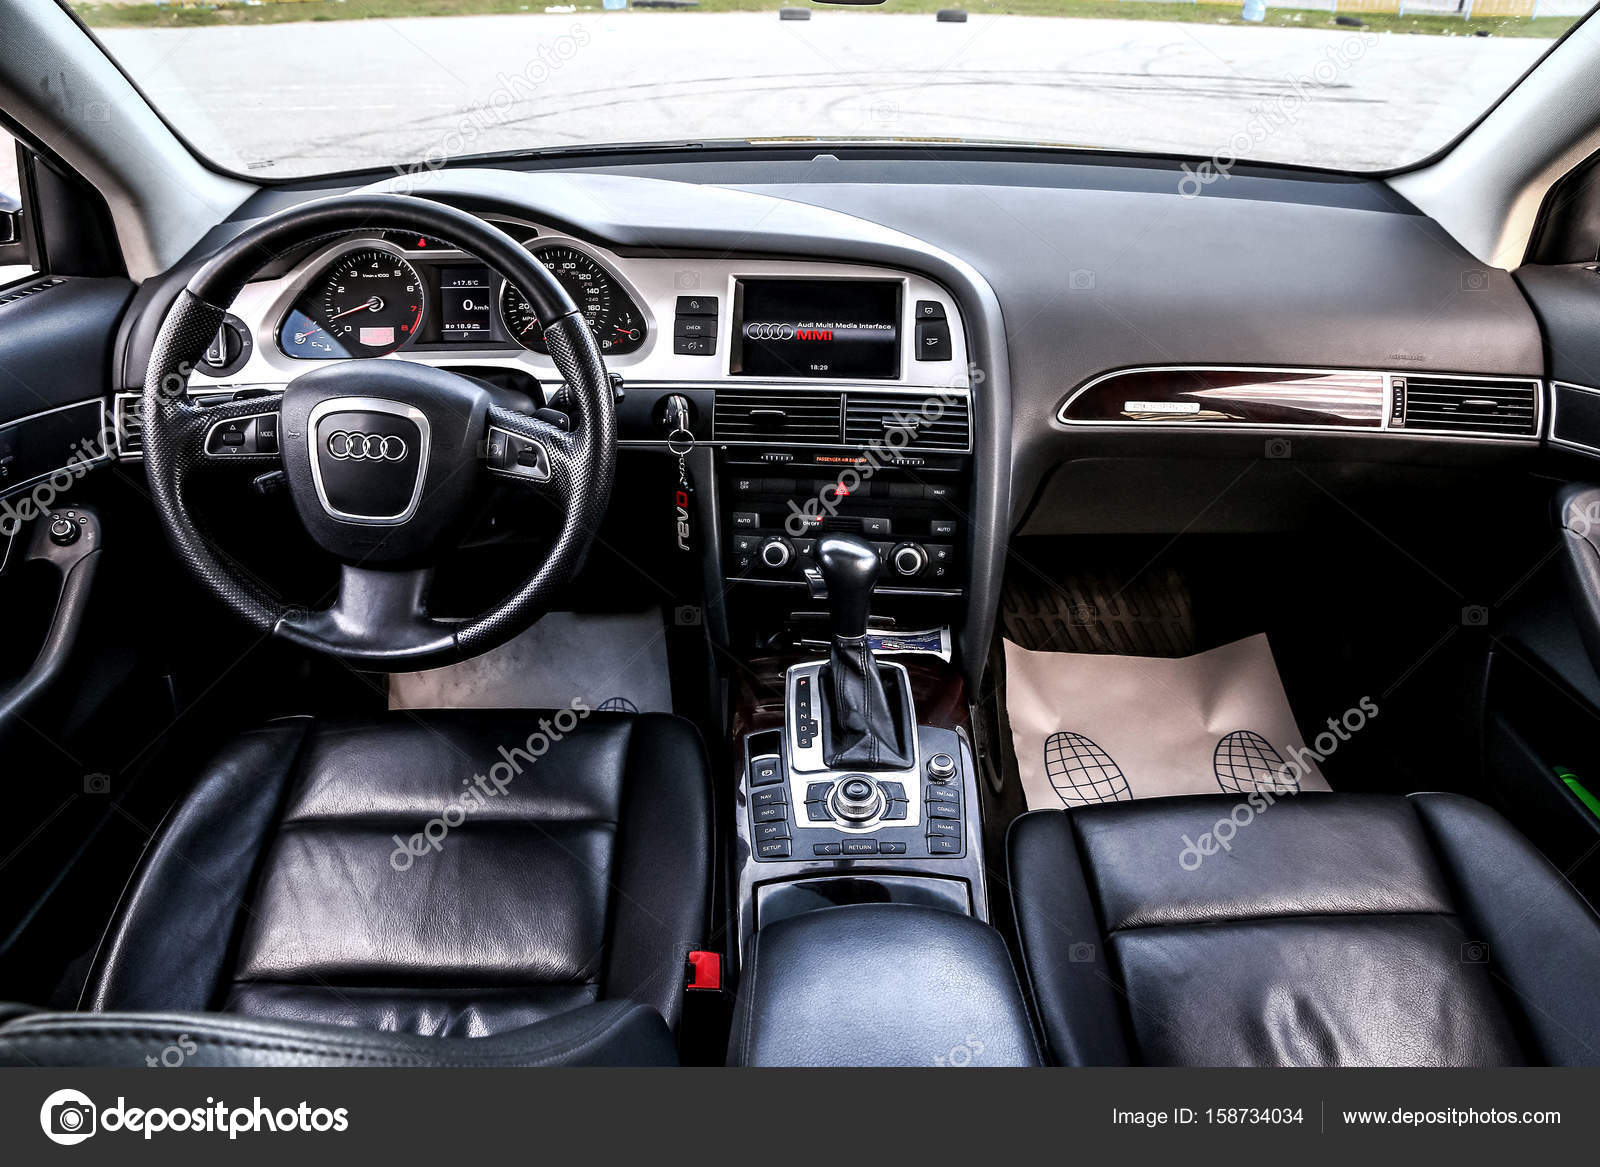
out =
column 908, row 559
column 776, row 552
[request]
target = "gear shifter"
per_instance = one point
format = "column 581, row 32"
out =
column 861, row 728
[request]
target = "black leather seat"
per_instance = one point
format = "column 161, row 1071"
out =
column 362, row 874
column 1330, row 930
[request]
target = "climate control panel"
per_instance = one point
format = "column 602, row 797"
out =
column 771, row 527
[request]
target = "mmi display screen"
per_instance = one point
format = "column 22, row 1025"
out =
column 817, row 328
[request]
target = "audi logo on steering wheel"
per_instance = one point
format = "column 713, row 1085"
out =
column 769, row 331
column 359, row 447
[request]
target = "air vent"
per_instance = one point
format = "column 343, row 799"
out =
column 130, row 424
column 1506, row 408
column 777, row 415
column 932, row 423
column 32, row 289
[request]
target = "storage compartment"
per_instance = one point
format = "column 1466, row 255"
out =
column 891, row 984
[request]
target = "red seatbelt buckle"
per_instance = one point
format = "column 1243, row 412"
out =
column 705, row 971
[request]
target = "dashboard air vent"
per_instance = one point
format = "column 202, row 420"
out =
column 933, row 423
column 1507, row 408
column 32, row 289
column 777, row 415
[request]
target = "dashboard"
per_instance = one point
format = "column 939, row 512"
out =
column 1085, row 322
column 670, row 319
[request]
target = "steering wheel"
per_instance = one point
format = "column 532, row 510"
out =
column 382, row 456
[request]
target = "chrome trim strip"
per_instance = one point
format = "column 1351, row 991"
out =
column 1290, row 430
column 369, row 405
column 105, row 455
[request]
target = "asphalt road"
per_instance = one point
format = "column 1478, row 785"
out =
column 292, row 99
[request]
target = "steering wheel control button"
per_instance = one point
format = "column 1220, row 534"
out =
column 368, row 458
column 941, row 767
column 63, row 531
column 239, row 436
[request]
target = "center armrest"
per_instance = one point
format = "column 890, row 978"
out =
column 881, row 985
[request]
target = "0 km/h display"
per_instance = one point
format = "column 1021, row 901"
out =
column 615, row 321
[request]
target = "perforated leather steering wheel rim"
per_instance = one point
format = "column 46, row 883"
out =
column 580, row 480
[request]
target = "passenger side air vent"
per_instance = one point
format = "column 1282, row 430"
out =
column 1501, row 408
column 32, row 289
column 927, row 423
column 777, row 415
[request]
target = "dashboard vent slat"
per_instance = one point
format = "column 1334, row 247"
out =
column 1500, row 408
column 777, row 415
column 32, row 289
column 936, row 423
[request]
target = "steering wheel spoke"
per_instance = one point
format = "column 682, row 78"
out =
column 531, row 452
column 242, row 432
column 377, row 618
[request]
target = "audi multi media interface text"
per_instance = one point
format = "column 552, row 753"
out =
column 816, row 328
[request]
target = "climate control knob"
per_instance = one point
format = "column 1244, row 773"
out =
column 776, row 552
column 908, row 559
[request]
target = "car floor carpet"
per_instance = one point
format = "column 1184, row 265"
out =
column 1097, row 727
column 611, row 662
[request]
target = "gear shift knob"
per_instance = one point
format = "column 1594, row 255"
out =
column 850, row 568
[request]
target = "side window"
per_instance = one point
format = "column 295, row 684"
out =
column 10, row 201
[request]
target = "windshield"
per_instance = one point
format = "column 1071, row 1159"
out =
column 289, row 88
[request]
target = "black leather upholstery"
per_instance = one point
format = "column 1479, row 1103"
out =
column 881, row 985
column 278, row 888
column 1331, row 930
column 607, row 1033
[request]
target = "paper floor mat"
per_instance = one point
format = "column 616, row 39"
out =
column 1094, row 727
column 611, row 662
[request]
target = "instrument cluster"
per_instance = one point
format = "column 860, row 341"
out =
column 377, row 296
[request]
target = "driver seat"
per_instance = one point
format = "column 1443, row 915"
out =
column 454, row 874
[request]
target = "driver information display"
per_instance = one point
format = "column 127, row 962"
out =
column 817, row 328
column 466, row 304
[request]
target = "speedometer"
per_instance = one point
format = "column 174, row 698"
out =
column 615, row 321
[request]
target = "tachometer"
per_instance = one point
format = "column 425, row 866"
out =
column 372, row 302
column 612, row 316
